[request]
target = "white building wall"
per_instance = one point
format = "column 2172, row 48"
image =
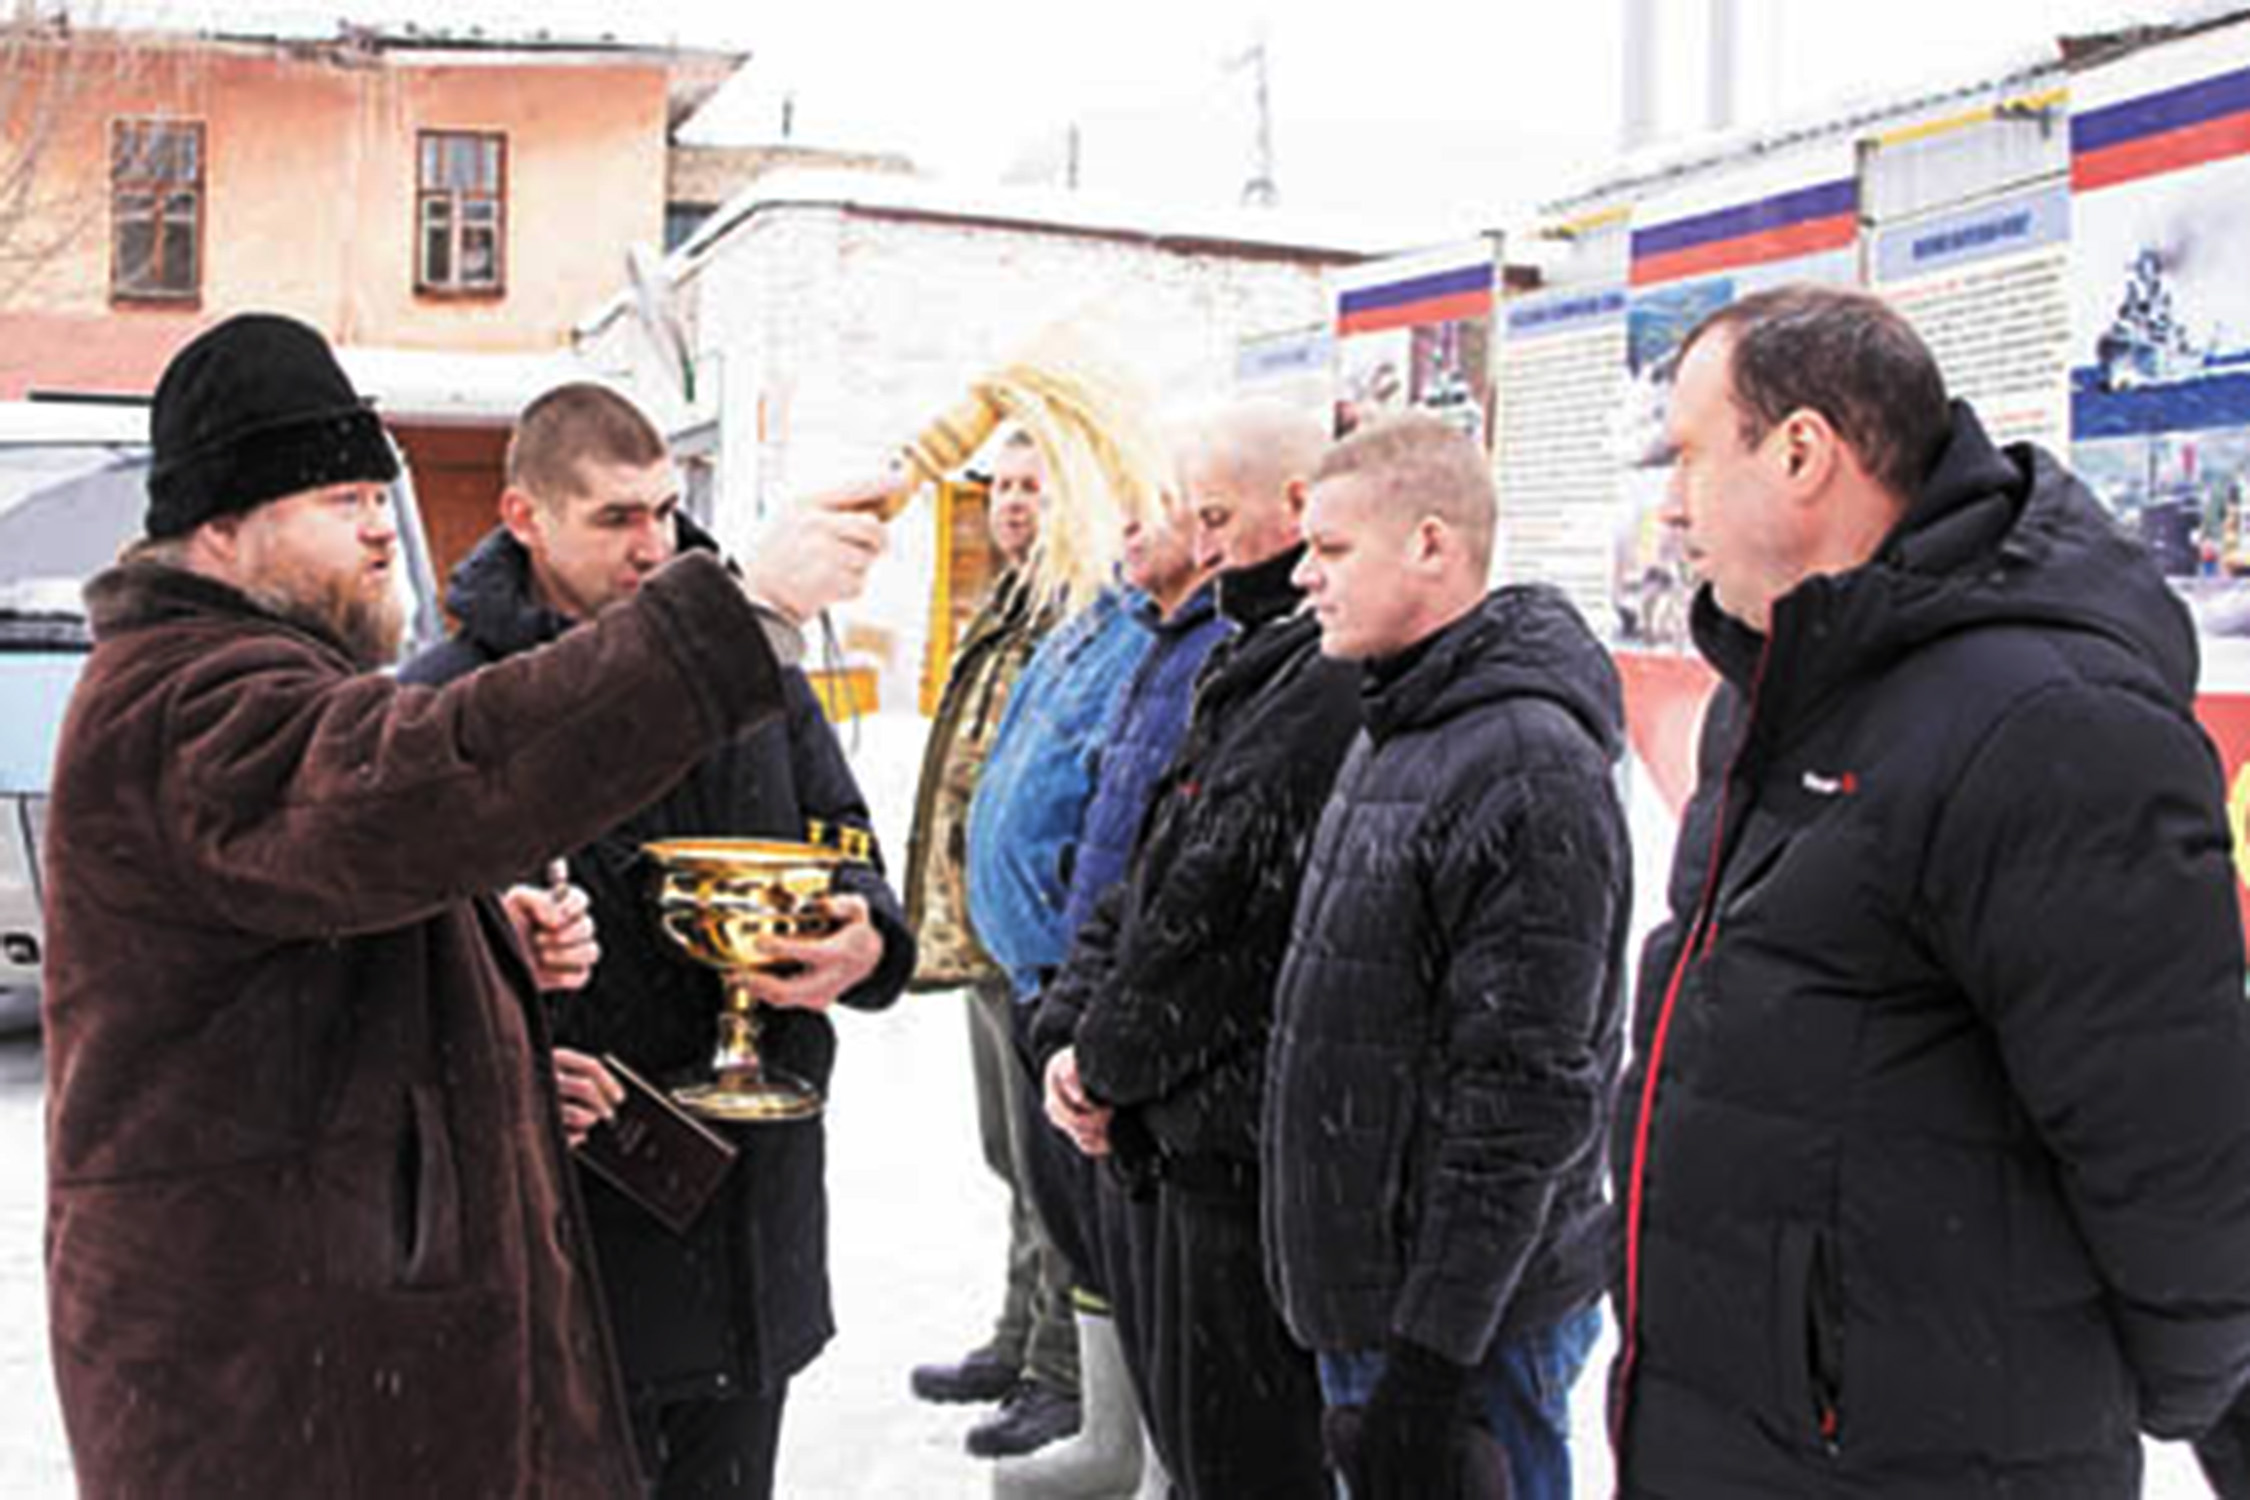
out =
column 827, row 337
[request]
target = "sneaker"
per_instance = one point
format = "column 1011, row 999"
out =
column 980, row 1376
column 1034, row 1415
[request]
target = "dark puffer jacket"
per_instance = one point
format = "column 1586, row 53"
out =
column 1168, row 992
column 1937, row 1147
column 1449, row 1022
column 742, row 1301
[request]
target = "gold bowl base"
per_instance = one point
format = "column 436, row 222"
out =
column 751, row 1101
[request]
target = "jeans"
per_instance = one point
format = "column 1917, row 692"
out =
column 1523, row 1397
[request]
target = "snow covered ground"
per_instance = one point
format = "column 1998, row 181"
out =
column 916, row 1230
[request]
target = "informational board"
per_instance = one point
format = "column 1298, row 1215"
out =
column 1295, row 366
column 2160, row 355
column 1562, row 373
column 1988, row 288
column 1415, row 331
column 1694, row 251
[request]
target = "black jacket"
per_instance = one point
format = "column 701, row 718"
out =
column 1168, row 991
column 1449, row 1022
column 742, row 1301
column 1942, row 1085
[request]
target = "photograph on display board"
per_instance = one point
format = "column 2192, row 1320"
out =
column 1653, row 585
column 1684, row 268
column 2160, row 363
column 1372, row 370
column 1416, row 334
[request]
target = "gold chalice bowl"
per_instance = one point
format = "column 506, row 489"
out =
column 720, row 899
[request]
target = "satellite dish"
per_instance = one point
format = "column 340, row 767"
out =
column 656, row 310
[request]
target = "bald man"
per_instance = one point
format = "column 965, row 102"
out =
column 1154, row 1033
column 1447, row 1025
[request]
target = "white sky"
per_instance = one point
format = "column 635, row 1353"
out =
column 1437, row 113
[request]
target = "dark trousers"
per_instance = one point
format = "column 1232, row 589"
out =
column 720, row 1449
column 1125, row 1245
column 1058, row 1179
column 1233, row 1404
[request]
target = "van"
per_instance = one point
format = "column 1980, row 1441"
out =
column 73, row 488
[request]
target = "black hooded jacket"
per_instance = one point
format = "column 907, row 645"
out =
column 1168, row 992
column 740, row 1303
column 1936, row 1150
column 1450, row 1019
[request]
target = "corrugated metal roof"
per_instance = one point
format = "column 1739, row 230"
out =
column 2029, row 70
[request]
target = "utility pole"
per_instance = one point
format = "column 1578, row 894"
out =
column 1260, row 191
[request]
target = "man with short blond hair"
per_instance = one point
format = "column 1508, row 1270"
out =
column 1448, row 1024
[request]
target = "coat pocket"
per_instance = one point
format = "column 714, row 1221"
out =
column 426, row 1202
column 1809, row 1336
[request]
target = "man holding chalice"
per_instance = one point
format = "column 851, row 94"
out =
column 717, row 921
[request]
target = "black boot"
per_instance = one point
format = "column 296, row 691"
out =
column 980, row 1375
column 1034, row 1415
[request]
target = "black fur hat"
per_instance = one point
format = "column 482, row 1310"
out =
column 253, row 409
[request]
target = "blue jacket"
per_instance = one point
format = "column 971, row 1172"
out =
column 1032, row 795
column 1151, row 717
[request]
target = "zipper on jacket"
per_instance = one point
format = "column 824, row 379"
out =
column 1695, row 943
column 1824, row 1336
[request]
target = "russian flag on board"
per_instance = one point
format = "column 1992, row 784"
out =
column 1425, row 296
column 2208, row 120
column 1805, row 221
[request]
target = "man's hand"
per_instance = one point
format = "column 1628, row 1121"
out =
column 826, row 967
column 1414, row 1436
column 1070, row 1111
column 556, row 929
column 589, row 1092
column 818, row 554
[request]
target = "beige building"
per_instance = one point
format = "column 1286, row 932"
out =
column 442, row 207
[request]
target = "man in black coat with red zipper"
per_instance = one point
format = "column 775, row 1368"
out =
column 1935, row 1155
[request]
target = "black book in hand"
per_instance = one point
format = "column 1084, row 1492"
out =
column 656, row 1153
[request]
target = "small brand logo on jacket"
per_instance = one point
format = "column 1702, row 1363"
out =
column 1843, row 785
